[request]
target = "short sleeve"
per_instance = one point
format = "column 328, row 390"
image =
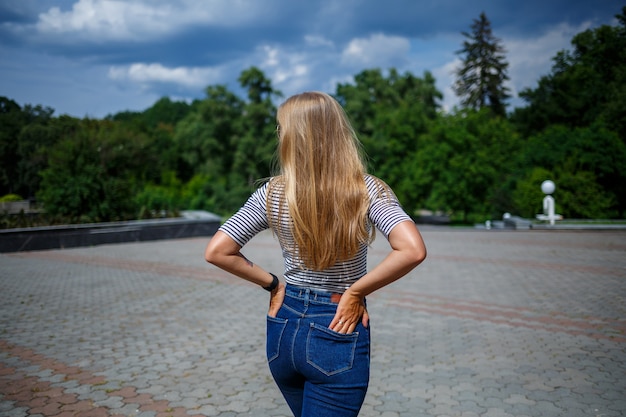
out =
column 385, row 210
column 249, row 220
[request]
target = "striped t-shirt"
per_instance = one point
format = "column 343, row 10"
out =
column 384, row 213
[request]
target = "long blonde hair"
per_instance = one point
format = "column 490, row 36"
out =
column 321, row 181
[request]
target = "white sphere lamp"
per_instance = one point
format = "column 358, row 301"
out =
column 548, row 187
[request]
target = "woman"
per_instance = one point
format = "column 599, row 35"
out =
column 324, row 209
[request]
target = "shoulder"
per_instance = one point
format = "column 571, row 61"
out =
column 377, row 187
column 259, row 195
column 262, row 186
column 370, row 179
column 273, row 184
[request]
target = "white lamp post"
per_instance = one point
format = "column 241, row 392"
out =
column 548, row 188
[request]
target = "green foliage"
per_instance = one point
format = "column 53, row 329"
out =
column 226, row 144
column 528, row 197
column 471, row 163
column 34, row 142
column 12, row 119
column 10, row 198
column 585, row 85
column 24, row 134
column 577, row 115
column 593, row 157
column 90, row 173
column 389, row 113
column 163, row 197
column 254, row 147
column 577, row 195
column 196, row 193
column 163, row 112
column 581, row 197
column 463, row 163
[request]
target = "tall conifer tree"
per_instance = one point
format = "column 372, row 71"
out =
column 480, row 79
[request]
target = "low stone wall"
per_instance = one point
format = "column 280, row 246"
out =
column 68, row 236
column 14, row 207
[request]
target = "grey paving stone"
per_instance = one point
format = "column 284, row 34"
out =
column 113, row 402
column 17, row 412
column 492, row 324
column 126, row 410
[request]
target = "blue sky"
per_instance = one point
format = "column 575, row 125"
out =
column 90, row 58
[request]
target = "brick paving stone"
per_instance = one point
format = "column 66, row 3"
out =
column 494, row 323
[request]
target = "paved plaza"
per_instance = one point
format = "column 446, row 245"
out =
column 494, row 323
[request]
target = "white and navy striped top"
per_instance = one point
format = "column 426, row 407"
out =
column 384, row 213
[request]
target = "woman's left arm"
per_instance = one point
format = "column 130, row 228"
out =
column 223, row 252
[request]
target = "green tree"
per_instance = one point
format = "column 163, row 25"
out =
column 25, row 133
column 527, row 196
column 205, row 141
column 34, row 141
column 363, row 99
column 11, row 123
column 464, row 164
column 203, row 138
column 92, row 173
column 164, row 196
column 389, row 113
column 585, row 85
column 591, row 157
column 158, row 122
column 229, row 143
column 481, row 78
column 163, row 111
column 577, row 194
column 255, row 147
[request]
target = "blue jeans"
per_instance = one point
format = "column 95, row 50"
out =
column 321, row 373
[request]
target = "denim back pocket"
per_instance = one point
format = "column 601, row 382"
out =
column 328, row 351
column 275, row 329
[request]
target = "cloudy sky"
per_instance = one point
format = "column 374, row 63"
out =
column 90, row 58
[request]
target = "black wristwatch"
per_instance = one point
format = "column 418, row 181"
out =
column 274, row 283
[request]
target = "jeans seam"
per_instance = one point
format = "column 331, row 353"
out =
column 293, row 345
column 283, row 324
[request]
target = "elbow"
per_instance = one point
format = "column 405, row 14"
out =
column 220, row 250
column 406, row 239
column 212, row 255
column 209, row 256
column 419, row 255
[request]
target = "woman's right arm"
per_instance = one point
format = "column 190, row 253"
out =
column 408, row 251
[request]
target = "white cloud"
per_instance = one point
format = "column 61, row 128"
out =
column 531, row 58
column 195, row 77
column 289, row 72
column 377, row 50
column 330, row 86
column 293, row 72
column 271, row 56
column 445, row 77
column 313, row 40
column 106, row 19
column 72, row 38
column 140, row 19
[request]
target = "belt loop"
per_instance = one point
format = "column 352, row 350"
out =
column 307, row 294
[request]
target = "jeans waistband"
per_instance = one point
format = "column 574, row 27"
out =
column 312, row 294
